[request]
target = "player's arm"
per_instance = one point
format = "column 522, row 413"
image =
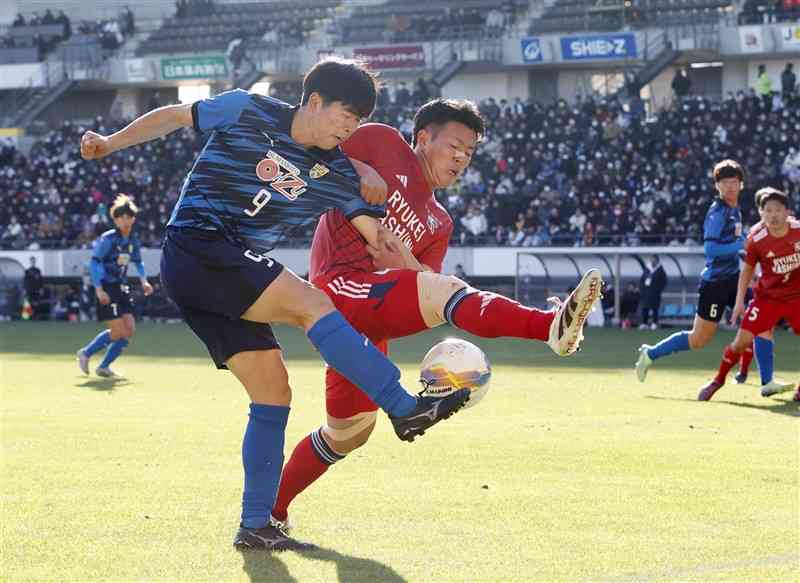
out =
column 387, row 251
column 712, row 231
column 96, row 270
column 151, row 125
column 373, row 187
column 139, row 264
column 745, row 278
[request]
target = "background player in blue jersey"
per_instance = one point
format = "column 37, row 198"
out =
column 112, row 253
column 722, row 242
column 267, row 168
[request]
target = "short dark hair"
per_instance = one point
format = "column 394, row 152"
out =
column 728, row 169
column 764, row 195
column 438, row 112
column 123, row 205
column 345, row 80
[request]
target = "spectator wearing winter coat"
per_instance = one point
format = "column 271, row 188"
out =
column 651, row 286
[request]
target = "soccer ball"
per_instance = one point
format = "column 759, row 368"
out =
column 455, row 364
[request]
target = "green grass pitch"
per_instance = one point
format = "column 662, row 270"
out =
column 569, row 470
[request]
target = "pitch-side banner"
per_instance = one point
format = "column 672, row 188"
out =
column 401, row 57
column 751, row 39
column 791, row 36
column 598, row 46
column 531, row 50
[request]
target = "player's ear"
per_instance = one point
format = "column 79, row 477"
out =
column 315, row 102
column 423, row 137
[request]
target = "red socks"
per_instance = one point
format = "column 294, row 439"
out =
column 303, row 469
column 729, row 358
column 747, row 358
column 490, row 315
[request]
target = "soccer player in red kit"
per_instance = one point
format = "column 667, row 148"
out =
column 774, row 244
column 410, row 295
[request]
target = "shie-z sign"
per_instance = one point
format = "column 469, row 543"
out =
column 598, row 46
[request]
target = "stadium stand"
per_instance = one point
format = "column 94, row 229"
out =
column 200, row 25
column 583, row 174
column 419, row 20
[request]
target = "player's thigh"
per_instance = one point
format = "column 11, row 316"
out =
column 702, row 331
column 714, row 297
column 435, row 291
column 344, row 400
column 383, row 304
column 289, row 300
column 123, row 327
column 346, row 435
column 263, row 375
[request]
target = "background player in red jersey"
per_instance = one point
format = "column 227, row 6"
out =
column 774, row 244
column 408, row 294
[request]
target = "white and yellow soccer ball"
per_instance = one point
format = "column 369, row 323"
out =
column 455, row 364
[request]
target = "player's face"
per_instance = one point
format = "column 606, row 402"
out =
column 775, row 215
column 333, row 123
column 729, row 189
column 448, row 151
column 124, row 223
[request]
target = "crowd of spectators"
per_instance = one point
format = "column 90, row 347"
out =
column 42, row 43
column 768, row 11
column 593, row 172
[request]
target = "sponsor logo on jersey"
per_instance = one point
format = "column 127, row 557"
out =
column 282, row 175
column 786, row 264
column 318, row 171
column 402, row 220
column 771, row 254
column 403, row 180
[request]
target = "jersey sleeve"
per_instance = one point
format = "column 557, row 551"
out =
column 433, row 255
column 712, row 227
column 750, row 252
column 370, row 141
column 220, row 112
column 344, row 188
column 100, row 249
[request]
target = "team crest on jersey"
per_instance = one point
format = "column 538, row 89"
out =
column 318, row 171
column 433, row 223
column 281, row 175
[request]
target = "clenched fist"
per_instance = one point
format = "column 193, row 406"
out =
column 94, row 146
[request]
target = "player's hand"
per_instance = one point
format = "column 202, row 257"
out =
column 94, row 146
column 147, row 288
column 373, row 188
column 388, row 252
column 738, row 310
column 102, row 296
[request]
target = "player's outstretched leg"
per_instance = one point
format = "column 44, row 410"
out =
column 491, row 315
column 428, row 412
column 729, row 358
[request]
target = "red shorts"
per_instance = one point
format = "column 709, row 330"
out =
column 381, row 305
column 762, row 315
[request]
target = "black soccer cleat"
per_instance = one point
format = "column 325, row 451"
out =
column 428, row 412
column 268, row 538
column 740, row 378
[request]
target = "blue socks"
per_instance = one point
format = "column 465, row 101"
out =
column 262, row 456
column 113, row 352
column 678, row 342
column 361, row 363
column 763, row 349
column 100, row 341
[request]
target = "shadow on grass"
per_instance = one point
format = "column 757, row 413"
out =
column 267, row 567
column 102, row 384
column 779, row 406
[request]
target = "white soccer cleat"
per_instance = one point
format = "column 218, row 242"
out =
column 83, row 361
column 566, row 331
column 106, row 372
column 643, row 363
column 774, row 387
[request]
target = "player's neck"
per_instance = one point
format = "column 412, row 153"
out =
column 731, row 202
column 779, row 231
column 427, row 171
column 301, row 131
column 126, row 233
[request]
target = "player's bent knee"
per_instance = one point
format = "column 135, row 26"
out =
column 347, row 435
column 435, row 290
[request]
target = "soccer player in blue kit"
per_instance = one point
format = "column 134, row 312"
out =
column 722, row 242
column 112, row 253
column 266, row 169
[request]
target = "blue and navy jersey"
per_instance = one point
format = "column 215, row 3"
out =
column 111, row 255
column 253, row 183
column 723, row 225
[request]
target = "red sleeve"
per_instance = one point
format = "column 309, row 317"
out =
column 750, row 252
column 371, row 140
column 433, row 255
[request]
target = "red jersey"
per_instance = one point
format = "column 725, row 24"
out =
column 412, row 212
column 779, row 258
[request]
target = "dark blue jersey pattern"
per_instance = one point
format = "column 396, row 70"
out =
column 722, row 241
column 253, row 183
column 111, row 255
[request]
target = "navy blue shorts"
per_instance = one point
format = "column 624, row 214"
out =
column 121, row 302
column 214, row 282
